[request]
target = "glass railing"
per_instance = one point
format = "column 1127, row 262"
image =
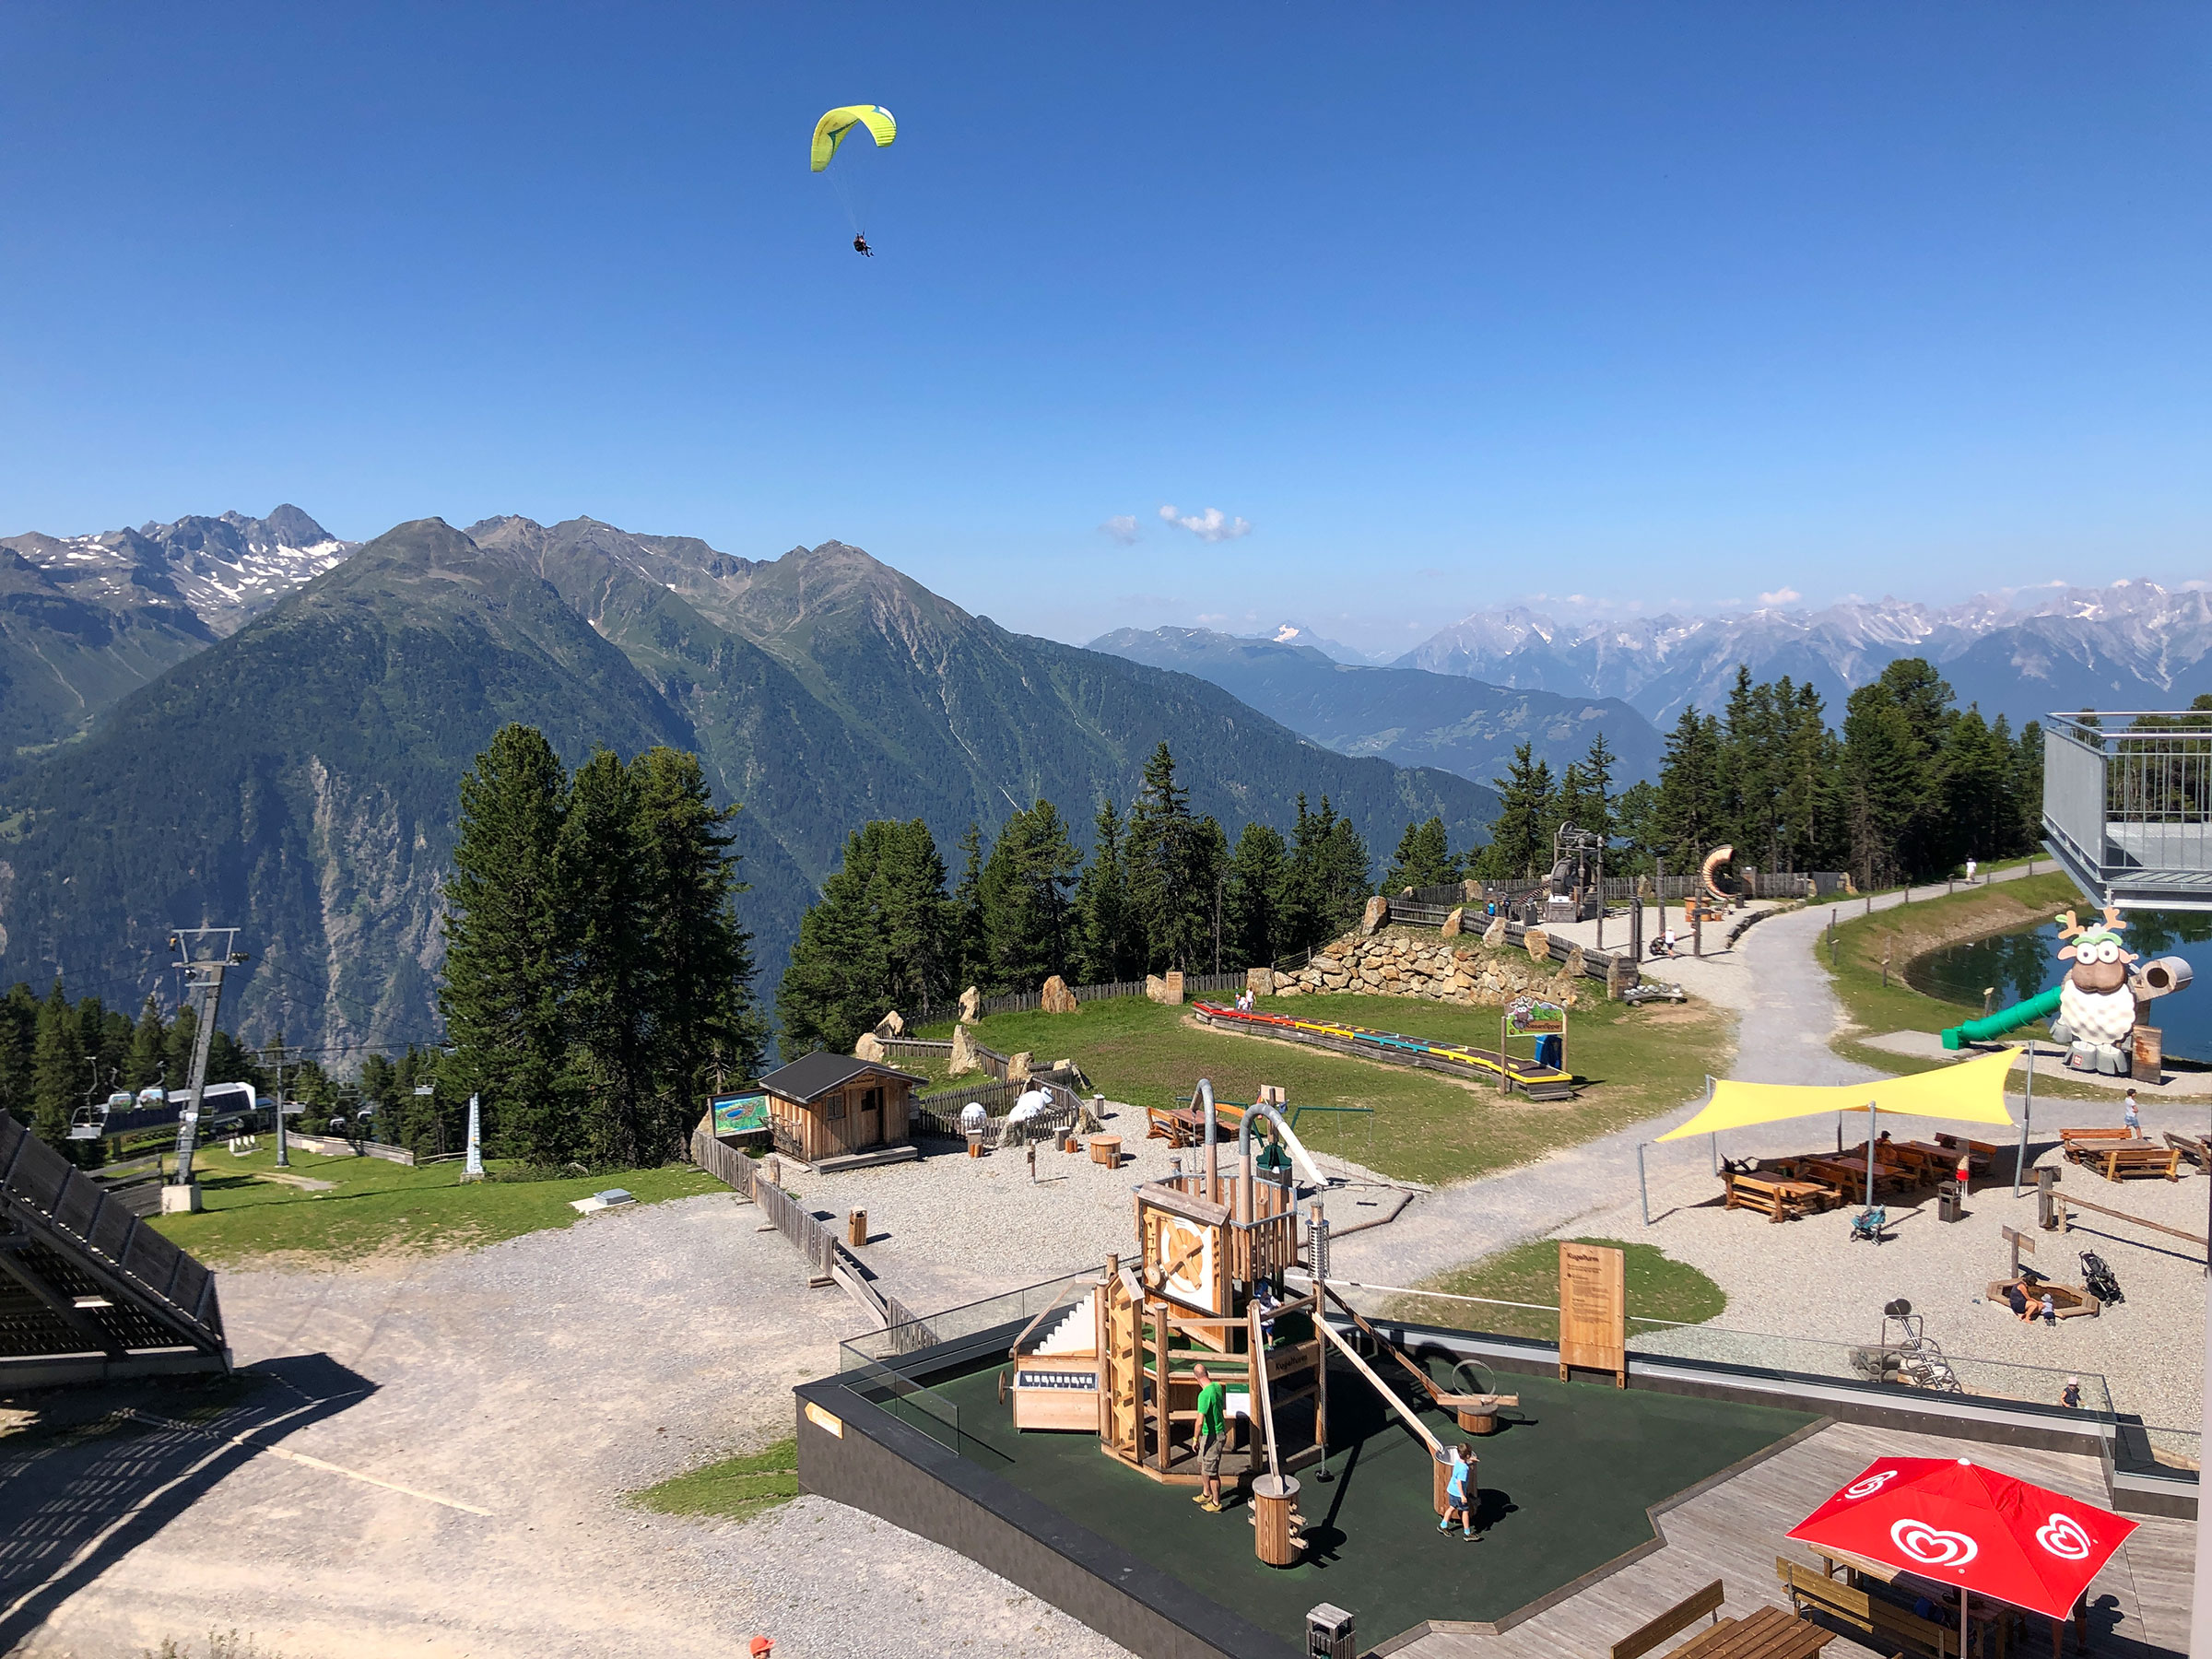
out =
column 2165, row 1450
column 870, row 1352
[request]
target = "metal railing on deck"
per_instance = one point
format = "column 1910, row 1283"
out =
column 2127, row 805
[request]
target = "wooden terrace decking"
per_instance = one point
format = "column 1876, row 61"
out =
column 1732, row 1529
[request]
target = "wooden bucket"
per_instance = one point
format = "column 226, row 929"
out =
column 1478, row 1422
column 1274, row 1500
column 1441, row 1481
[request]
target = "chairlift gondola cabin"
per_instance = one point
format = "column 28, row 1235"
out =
column 834, row 1106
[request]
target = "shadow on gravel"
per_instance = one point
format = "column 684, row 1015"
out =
column 100, row 1470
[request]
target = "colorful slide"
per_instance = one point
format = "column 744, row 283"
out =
column 2003, row 1020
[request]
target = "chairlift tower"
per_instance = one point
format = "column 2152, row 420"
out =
column 202, row 955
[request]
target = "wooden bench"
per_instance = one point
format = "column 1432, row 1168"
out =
column 1846, row 1172
column 1870, row 1615
column 1775, row 1197
column 1672, row 1622
column 1767, row 1633
column 2074, row 1140
column 2119, row 1159
column 2193, row 1148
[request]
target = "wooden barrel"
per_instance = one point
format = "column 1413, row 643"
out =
column 1477, row 1422
column 1440, row 1480
column 1274, row 1498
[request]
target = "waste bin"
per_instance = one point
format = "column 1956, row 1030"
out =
column 1552, row 1050
column 1950, row 1202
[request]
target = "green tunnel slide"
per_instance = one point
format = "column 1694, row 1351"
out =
column 2003, row 1020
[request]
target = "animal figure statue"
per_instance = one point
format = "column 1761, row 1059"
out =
column 2096, row 1003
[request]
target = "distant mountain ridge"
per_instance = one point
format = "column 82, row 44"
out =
column 298, row 779
column 2132, row 644
column 1409, row 716
column 86, row 619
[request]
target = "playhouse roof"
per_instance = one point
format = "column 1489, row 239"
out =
column 815, row 1075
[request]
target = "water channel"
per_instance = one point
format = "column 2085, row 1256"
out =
column 2022, row 964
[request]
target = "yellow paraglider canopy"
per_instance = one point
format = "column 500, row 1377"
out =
column 1970, row 1092
column 831, row 130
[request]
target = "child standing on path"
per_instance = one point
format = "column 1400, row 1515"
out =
column 2130, row 1117
column 1456, row 1499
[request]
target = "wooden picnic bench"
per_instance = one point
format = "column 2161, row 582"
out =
column 1767, row 1633
column 1177, row 1126
column 2193, row 1148
column 2118, row 1160
column 1864, row 1612
column 1778, row 1198
column 1672, row 1622
column 1933, row 1162
column 1847, row 1174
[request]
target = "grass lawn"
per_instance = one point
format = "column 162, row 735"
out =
column 1658, row 1288
column 1425, row 1126
column 736, row 1488
column 378, row 1208
column 1908, row 931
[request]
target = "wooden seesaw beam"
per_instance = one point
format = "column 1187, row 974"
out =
column 1436, row 1447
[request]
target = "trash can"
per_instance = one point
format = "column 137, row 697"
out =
column 1552, row 1050
column 1950, row 1202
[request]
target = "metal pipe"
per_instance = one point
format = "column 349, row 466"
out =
column 2019, row 1159
column 1282, row 1128
column 1213, row 1171
column 1644, row 1191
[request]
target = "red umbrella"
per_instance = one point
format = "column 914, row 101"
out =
column 1956, row 1522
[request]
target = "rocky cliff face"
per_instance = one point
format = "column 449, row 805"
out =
column 1400, row 962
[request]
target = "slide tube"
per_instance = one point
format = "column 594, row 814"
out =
column 2003, row 1020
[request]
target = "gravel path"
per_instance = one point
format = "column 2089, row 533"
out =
column 539, row 1381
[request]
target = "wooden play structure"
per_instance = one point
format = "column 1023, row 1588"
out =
column 1207, row 1288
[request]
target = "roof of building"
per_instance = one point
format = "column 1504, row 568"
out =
column 818, row 1073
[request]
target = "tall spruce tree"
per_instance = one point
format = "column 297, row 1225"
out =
column 18, row 1039
column 1108, row 947
column 1028, row 919
column 611, row 968
column 1258, row 873
column 1423, row 859
column 844, row 975
column 1327, row 881
column 1172, row 870
column 1520, row 843
column 57, row 1068
column 507, row 947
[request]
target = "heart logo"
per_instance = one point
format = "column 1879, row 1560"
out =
column 2064, row 1537
column 1931, row 1545
column 1870, row 1484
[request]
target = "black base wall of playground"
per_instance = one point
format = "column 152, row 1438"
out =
column 891, row 1469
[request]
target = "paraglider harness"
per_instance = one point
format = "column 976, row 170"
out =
column 859, row 245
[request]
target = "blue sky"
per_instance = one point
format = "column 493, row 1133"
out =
column 1451, row 305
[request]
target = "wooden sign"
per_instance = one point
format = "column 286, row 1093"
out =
column 1593, row 1313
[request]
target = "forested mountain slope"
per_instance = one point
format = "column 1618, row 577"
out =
column 298, row 779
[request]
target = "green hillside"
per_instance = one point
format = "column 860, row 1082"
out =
column 298, row 779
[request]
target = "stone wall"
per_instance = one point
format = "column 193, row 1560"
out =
column 1401, row 963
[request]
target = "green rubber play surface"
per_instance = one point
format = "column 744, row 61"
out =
column 1564, row 1490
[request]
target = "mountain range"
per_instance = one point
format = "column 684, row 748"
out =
column 85, row 619
column 2132, row 646
column 298, row 777
column 1409, row 716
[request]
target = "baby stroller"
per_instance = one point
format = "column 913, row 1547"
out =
column 1868, row 1224
column 2097, row 1278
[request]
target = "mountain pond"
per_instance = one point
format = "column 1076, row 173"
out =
column 2022, row 964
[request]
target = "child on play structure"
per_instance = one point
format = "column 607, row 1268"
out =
column 1456, row 1501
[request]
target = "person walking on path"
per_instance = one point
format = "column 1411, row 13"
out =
column 1969, row 872
column 1212, row 1432
column 1456, row 1501
column 2130, row 1117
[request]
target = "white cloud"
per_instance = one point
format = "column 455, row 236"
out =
column 1121, row 527
column 1781, row 595
column 1209, row 525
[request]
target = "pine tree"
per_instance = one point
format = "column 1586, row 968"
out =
column 971, row 955
column 506, row 957
column 18, row 1038
column 1258, row 872
column 1106, row 953
column 149, row 1047
column 1519, row 844
column 610, row 971
column 1424, row 859
column 1171, row 876
column 1027, row 920
column 1884, row 779
column 1691, row 802
column 844, row 975
column 57, row 1069
column 1327, row 881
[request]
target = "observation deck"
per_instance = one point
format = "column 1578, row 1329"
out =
column 2127, row 805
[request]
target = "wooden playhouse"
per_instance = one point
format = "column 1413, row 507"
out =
column 826, row 1108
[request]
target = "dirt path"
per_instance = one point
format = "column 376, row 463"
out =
column 458, row 1490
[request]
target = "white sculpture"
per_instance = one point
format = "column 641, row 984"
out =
column 2096, row 1003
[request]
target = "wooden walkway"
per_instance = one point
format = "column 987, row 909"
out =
column 1733, row 1530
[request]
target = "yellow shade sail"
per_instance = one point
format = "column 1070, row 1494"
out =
column 1970, row 1092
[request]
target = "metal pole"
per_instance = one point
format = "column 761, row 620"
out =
column 1644, row 1191
column 1715, row 1139
column 1872, row 1112
column 204, row 982
column 2019, row 1159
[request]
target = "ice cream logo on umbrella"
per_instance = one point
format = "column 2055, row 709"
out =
column 2064, row 1537
column 1931, row 1545
column 1872, row 1484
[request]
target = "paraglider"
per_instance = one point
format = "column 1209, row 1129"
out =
column 829, row 133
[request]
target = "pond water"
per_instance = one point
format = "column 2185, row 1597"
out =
column 2022, row 964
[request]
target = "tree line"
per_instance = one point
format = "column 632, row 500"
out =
column 1162, row 888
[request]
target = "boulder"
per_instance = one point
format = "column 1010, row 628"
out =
column 1452, row 922
column 1376, row 915
column 971, row 1005
column 1057, row 997
column 1019, row 1066
column 964, row 1057
column 1538, row 944
column 1495, row 933
column 869, row 1047
column 890, row 1025
column 1260, row 982
column 1576, row 965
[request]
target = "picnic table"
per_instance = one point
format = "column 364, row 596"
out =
column 2193, row 1148
column 1177, row 1126
column 1767, row 1633
column 1847, row 1172
column 1933, row 1162
column 2116, row 1160
column 1776, row 1197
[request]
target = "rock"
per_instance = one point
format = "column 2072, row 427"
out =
column 1452, row 922
column 1019, row 1066
column 1058, row 998
column 1538, row 944
column 1167, row 990
column 964, row 1057
column 1576, row 966
column 1470, row 889
column 890, row 1025
column 1377, row 914
column 869, row 1047
column 971, row 1005
column 1260, row 982
column 1495, row 933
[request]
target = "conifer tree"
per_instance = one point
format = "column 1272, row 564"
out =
column 970, row 954
column 1105, row 953
column 882, row 911
column 1171, row 873
column 1519, row 844
column 1023, row 897
column 1258, row 872
column 610, row 970
column 1424, row 859
column 149, row 1050
column 506, row 959
column 18, row 1038
column 1327, row 881
column 57, row 1068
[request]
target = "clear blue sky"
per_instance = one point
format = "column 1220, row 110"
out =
column 1452, row 304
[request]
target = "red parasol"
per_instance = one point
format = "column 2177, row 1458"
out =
column 1956, row 1522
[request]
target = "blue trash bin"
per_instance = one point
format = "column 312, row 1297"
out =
column 1552, row 1050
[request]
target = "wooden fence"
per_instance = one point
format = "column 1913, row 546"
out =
column 828, row 1259
column 1066, row 1112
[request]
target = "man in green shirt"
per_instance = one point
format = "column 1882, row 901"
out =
column 1212, row 1432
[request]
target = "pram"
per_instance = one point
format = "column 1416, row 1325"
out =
column 2097, row 1281
column 1868, row 1224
